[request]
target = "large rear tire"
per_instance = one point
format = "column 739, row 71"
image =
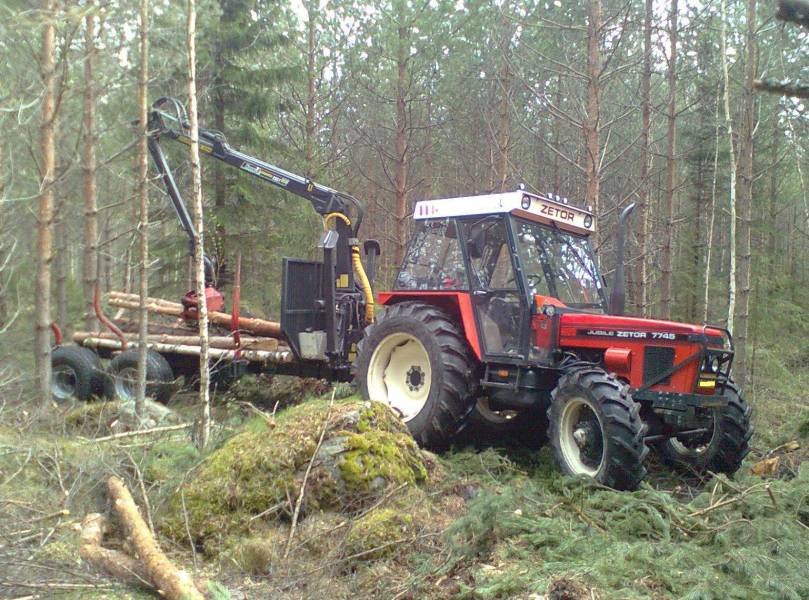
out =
column 724, row 449
column 76, row 372
column 596, row 429
column 122, row 383
column 415, row 360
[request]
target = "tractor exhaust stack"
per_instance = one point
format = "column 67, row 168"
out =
column 618, row 293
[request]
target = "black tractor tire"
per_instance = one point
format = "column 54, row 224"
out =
column 527, row 428
column 595, row 429
column 432, row 352
column 727, row 447
column 122, row 382
column 76, row 372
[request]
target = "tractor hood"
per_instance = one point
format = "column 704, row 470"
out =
column 621, row 328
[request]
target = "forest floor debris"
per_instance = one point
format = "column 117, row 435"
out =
column 381, row 518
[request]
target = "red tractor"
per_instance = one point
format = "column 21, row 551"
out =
column 499, row 315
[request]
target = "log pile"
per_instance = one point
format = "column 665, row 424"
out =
column 258, row 327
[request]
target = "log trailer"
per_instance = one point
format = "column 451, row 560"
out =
column 498, row 322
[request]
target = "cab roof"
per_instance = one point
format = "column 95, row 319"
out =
column 536, row 207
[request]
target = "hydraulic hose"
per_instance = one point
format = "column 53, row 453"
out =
column 356, row 262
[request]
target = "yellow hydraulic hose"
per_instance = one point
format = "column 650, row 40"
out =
column 359, row 270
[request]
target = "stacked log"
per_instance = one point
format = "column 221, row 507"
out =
column 259, row 327
column 226, row 343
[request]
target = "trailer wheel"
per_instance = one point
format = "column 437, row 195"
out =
column 596, row 429
column 720, row 451
column 123, row 380
column 416, row 360
column 76, row 372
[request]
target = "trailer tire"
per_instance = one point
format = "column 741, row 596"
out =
column 416, row 360
column 122, row 381
column 596, row 429
column 725, row 450
column 76, row 372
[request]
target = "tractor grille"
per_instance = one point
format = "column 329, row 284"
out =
column 656, row 361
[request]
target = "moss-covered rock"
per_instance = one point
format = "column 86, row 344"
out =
column 375, row 535
column 365, row 450
column 92, row 417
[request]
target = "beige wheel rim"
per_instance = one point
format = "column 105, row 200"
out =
column 399, row 374
column 580, row 437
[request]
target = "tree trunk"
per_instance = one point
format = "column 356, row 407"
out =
column 311, row 90
column 199, row 249
column 671, row 170
column 88, row 159
column 712, row 219
column 591, row 124
column 3, row 250
column 504, row 124
column 745, row 198
column 42, row 310
column 62, row 263
column 645, row 160
column 143, row 197
column 732, row 204
column 400, row 172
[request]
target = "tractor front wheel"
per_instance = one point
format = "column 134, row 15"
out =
column 596, row 429
column 415, row 360
column 722, row 449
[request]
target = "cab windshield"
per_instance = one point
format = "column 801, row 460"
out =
column 558, row 264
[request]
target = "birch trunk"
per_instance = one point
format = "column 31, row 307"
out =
column 88, row 159
column 732, row 204
column 592, row 154
column 143, row 197
column 199, row 251
column 671, row 170
column 401, row 143
column 645, row 159
column 712, row 218
column 42, row 332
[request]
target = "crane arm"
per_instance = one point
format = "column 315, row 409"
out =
column 323, row 199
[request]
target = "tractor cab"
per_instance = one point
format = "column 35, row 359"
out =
column 508, row 253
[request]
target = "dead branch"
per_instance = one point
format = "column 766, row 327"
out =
column 299, row 501
column 128, row 434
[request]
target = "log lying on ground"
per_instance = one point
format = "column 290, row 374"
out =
column 223, row 342
column 169, row 581
column 175, row 309
column 114, row 562
column 282, row 355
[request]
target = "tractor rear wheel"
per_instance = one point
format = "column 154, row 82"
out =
column 723, row 449
column 596, row 429
column 416, row 360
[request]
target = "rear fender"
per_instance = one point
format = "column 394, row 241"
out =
column 456, row 304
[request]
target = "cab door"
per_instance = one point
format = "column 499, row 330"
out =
column 501, row 310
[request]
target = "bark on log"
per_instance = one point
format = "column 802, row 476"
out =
column 113, row 562
column 282, row 355
column 222, row 342
column 170, row 582
column 165, row 307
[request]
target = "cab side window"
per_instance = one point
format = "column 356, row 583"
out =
column 489, row 255
column 433, row 260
